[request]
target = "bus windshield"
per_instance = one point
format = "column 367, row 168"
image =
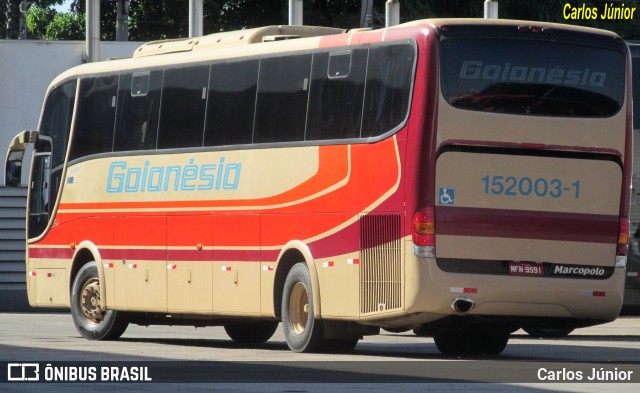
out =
column 532, row 77
column 50, row 151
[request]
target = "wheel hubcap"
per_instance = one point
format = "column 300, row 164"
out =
column 299, row 307
column 90, row 301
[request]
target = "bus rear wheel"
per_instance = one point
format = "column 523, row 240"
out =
column 90, row 321
column 471, row 343
column 302, row 331
column 251, row 332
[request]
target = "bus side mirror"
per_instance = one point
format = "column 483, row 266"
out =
column 15, row 155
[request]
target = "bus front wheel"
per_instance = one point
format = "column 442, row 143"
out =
column 90, row 321
column 302, row 331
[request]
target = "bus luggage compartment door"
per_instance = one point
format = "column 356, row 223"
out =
column 555, row 208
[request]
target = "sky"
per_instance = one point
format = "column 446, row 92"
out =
column 64, row 7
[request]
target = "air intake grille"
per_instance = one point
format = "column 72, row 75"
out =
column 380, row 258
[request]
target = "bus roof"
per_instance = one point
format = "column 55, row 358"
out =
column 510, row 22
column 233, row 38
column 275, row 39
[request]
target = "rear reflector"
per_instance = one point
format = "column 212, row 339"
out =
column 590, row 293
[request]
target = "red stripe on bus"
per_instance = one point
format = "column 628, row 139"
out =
column 188, row 255
column 137, row 254
column 215, row 255
column 141, row 254
column 51, row 253
column 525, row 224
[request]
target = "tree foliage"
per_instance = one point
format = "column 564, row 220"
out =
column 159, row 19
column 48, row 24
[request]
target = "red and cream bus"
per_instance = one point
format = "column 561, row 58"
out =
column 465, row 177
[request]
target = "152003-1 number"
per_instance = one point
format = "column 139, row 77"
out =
column 526, row 186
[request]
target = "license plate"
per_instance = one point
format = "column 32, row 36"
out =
column 526, row 269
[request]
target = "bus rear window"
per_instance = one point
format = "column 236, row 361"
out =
column 532, row 77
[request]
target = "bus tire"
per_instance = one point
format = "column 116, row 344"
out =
column 251, row 331
column 90, row 321
column 302, row 331
column 471, row 343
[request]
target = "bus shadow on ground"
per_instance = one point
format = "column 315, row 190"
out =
column 401, row 363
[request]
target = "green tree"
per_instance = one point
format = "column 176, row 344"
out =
column 159, row 19
column 67, row 26
column 44, row 23
column 38, row 19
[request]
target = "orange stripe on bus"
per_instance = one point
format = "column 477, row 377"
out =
column 333, row 167
column 248, row 228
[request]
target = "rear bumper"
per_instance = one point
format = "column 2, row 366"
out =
column 511, row 296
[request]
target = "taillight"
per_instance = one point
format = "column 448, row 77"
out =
column 623, row 237
column 424, row 233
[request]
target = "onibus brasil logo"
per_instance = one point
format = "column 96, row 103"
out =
column 32, row 372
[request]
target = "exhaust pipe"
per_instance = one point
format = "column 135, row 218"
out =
column 462, row 304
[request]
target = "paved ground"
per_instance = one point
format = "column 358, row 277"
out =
column 411, row 363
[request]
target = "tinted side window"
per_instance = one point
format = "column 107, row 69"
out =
column 184, row 100
column 388, row 88
column 95, row 117
column 138, row 111
column 337, row 92
column 281, row 108
column 232, row 100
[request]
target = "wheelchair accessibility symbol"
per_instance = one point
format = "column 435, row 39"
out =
column 447, row 196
